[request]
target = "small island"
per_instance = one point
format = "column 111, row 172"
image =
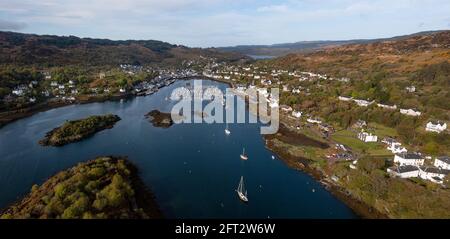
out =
column 159, row 119
column 76, row 130
column 103, row 188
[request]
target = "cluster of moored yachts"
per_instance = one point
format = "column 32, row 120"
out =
column 242, row 193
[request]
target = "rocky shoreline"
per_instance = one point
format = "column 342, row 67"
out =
column 303, row 164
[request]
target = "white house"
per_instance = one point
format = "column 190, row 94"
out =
column 433, row 174
column 343, row 98
column 286, row 108
column 410, row 112
column 297, row 114
column 367, row 137
column 313, row 121
column 397, row 149
column 18, row 92
column 360, row 124
column 406, row 171
column 394, row 146
column 409, row 159
column 295, row 91
column 437, row 127
column 121, row 90
column 442, row 162
column 390, row 107
column 363, row 103
column 410, row 89
column 389, row 141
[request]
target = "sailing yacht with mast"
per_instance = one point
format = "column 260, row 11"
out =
column 227, row 131
column 242, row 193
column 243, row 155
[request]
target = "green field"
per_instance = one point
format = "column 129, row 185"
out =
column 383, row 131
column 348, row 138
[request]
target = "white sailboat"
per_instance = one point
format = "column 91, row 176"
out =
column 242, row 193
column 227, row 131
column 243, row 155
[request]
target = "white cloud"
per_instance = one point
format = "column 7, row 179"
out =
column 226, row 22
column 273, row 8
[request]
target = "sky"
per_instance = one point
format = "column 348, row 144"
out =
column 207, row 23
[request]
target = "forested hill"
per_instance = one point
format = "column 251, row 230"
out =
column 30, row 49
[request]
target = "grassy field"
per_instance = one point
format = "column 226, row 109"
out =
column 383, row 131
column 348, row 138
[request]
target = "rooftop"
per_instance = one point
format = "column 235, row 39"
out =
column 404, row 169
column 431, row 169
column 410, row 156
column 444, row 159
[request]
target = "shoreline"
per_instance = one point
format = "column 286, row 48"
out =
column 360, row 208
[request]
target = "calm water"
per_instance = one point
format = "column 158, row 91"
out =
column 193, row 169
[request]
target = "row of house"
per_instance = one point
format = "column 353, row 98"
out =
column 411, row 165
column 366, row 103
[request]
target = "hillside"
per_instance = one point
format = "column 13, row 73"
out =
column 307, row 46
column 30, row 49
column 382, row 72
column 401, row 56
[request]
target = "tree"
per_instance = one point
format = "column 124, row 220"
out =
column 371, row 164
column 60, row 190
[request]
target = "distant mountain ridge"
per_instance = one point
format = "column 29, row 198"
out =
column 308, row 46
column 32, row 49
column 400, row 56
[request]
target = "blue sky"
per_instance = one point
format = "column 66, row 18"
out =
column 207, row 23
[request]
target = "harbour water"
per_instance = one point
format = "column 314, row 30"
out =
column 193, row 169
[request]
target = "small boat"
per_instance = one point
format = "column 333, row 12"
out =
column 242, row 193
column 243, row 155
column 227, row 131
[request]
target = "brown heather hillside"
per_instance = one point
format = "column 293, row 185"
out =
column 399, row 58
column 30, row 49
